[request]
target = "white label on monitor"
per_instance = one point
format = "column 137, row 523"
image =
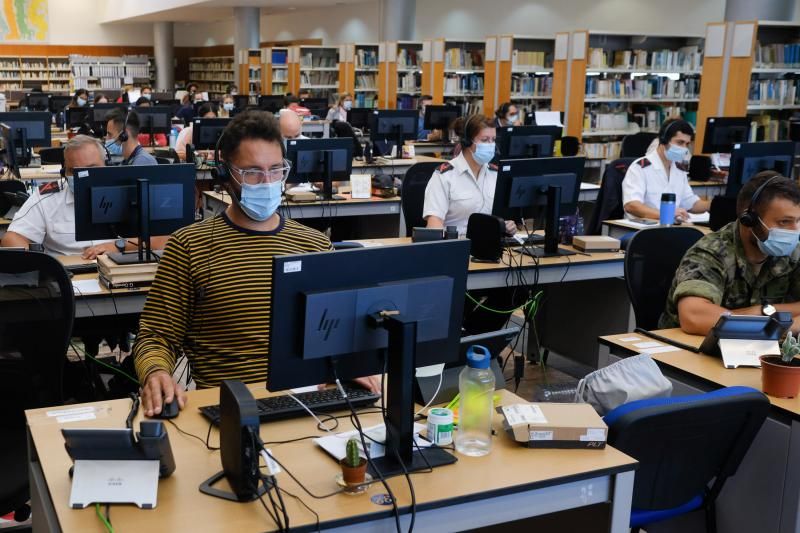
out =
column 292, row 266
column 737, row 146
column 506, row 168
column 83, row 173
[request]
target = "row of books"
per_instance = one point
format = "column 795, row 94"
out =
column 605, row 121
column 407, row 101
column 605, row 150
column 280, row 74
column 773, row 92
column 532, row 85
column 319, row 78
column 462, row 58
column 366, row 58
column 280, row 57
column 407, row 58
column 309, row 60
column 777, row 55
column 366, row 81
column 209, row 65
column 686, row 58
column 767, row 128
column 650, row 87
column 463, row 84
column 522, row 59
column 409, row 81
column 365, row 100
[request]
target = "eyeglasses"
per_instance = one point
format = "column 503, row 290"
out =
column 258, row 176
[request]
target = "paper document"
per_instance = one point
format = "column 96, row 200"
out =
column 738, row 352
column 86, row 286
column 699, row 218
column 548, row 118
column 336, row 444
column 633, row 224
column 662, row 349
column 649, row 344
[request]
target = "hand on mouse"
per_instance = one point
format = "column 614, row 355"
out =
column 160, row 388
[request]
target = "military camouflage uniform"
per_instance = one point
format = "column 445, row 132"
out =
column 715, row 268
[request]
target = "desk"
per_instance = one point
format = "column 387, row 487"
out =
column 433, row 147
column 510, row 483
column 105, row 302
column 395, row 167
column 622, row 226
column 764, row 495
column 589, row 192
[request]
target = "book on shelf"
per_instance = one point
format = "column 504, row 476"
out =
column 685, row 58
column 767, row 128
column 522, row 59
column 366, row 58
column 145, row 281
column 463, row 83
column 366, row 81
column 407, row 58
column 645, row 87
column 531, row 85
column 461, row 58
column 407, row 101
column 279, row 57
column 605, row 121
column 603, row 150
column 365, row 100
column 319, row 78
column 773, row 92
column 310, row 60
column 409, row 81
column 777, row 55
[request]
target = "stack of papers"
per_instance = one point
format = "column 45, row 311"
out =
column 336, row 444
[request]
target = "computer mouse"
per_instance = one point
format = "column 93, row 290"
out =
column 169, row 410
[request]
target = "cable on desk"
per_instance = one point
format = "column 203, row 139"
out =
column 103, row 519
column 205, row 442
column 312, row 511
column 102, row 363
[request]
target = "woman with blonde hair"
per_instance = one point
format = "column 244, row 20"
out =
column 343, row 105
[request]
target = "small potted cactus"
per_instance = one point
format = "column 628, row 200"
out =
column 780, row 374
column 354, row 467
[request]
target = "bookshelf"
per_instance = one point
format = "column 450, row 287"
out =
column 519, row 69
column 399, row 74
column 213, row 74
column 315, row 68
column 21, row 72
column 453, row 71
column 624, row 83
column 249, row 79
column 109, row 73
column 358, row 72
column 274, row 70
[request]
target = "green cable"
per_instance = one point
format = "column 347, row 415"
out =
column 102, row 518
column 112, row 368
column 533, row 302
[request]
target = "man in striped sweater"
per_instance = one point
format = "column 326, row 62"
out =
column 211, row 296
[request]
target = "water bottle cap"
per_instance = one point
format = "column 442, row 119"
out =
column 478, row 357
column 668, row 197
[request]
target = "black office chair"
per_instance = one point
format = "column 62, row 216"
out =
column 570, row 146
column 164, row 160
column 683, row 444
column 413, row 194
column 344, row 129
column 700, row 168
column 12, row 193
column 609, row 199
column 52, row 156
column 652, row 257
column 35, row 326
column 721, row 212
column 636, row 145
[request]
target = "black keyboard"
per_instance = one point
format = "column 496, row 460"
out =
column 82, row 268
column 283, row 406
column 530, row 240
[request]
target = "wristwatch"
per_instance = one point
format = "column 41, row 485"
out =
column 768, row 309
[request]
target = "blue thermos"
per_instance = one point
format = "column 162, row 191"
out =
column 667, row 213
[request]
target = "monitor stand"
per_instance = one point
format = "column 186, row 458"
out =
column 327, row 182
column 551, row 248
column 132, row 258
column 400, row 403
column 144, row 254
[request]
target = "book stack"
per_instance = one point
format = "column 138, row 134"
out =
column 113, row 276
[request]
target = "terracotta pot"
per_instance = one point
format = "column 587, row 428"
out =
column 779, row 379
column 354, row 475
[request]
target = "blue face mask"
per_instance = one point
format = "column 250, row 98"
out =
column 259, row 202
column 227, row 106
column 81, row 101
column 484, row 152
column 780, row 242
column 113, row 147
column 676, row 154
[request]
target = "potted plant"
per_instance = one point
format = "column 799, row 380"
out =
column 354, row 467
column 780, row 374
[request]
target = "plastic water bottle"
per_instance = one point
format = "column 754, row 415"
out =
column 666, row 215
column 173, row 137
column 476, row 392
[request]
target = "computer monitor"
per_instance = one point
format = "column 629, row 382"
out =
column 77, row 117
column 390, row 127
column 527, row 141
column 38, row 101
column 748, row 159
column 336, row 317
column 439, row 117
column 317, row 106
column 206, row 132
column 171, row 103
column 269, row 102
column 320, row 160
column 154, row 119
column 8, row 151
column 526, row 185
column 723, row 132
column 359, row 117
column 58, row 102
column 240, row 101
column 133, row 201
column 99, row 117
column 34, row 124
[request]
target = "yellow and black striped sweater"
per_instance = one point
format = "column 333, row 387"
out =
column 211, row 299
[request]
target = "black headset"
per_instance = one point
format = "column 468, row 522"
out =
column 123, row 135
column 221, row 171
column 466, row 142
column 749, row 218
column 663, row 136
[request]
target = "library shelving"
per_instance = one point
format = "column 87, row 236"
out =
column 249, row 72
column 109, row 73
column 623, row 83
column 453, row 71
column 274, row 70
column 19, row 72
column 399, row 74
column 519, row 69
column 358, row 72
column 212, row 74
column 314, row 68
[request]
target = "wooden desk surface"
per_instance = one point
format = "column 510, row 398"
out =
column 709, row 183
column 225, row 198
column 399, row 162
column 508, row 468
column 104, row 292
column 705, row 367
column 629, row 224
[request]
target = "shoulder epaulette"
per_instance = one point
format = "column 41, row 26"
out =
column 444, row 167
column 644, row 162
column 493, row 166
column 682, row 166
column 49, row 188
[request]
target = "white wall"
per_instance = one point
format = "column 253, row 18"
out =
column 78, row 22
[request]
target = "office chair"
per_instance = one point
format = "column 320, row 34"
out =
column 652, row 257
column 164, row 160
column 344, row 129
column 412, row 197
column 683, row 444
column 636, row 145
column 609, row 199
column 721, row 212
column 52, row 156
column 570, row 146
column 35, row 326
column 700, row 168
column 12, row 193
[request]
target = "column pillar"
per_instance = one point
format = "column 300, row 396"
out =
column 397, row 20
column 759, row 10
column 247, row 30
column 164, row 48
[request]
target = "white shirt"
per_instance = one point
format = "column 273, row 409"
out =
column 184, row 138
column 337, row 113
column 454, row 194
column 646, row 180
column 50, row 219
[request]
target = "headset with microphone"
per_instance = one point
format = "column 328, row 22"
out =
column 466, row 142
column 749, row 218
column 664, row 137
